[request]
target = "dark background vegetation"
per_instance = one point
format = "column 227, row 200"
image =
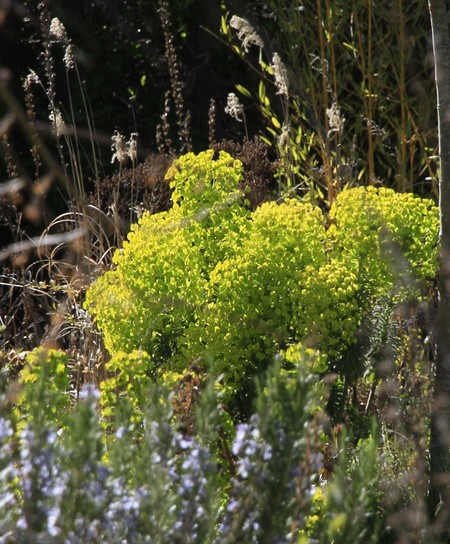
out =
column 121, row 57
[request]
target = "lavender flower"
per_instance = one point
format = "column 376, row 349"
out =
column 37, row 477
column 8, row 473
column 120, row 432
column 89, row 393
column 6, row 430
column 123, row 511
column 250, row 448
column 239, row 524
column 193, row 491
column 242, row 514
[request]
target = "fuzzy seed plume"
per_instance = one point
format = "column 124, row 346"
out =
column 280, row 74
column 234, row 108
column 57, row 30
column 246, row 33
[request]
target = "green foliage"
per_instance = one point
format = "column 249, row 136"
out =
column 58, row 485
column 149, row 300
column 130, row 379
column 352, row 507
column 281, row 448
column 392, row 235
column 254, row 308
column 84, row 483
column 199, row 181
column 80, row 450
column 209, row 279
column 353, row 111
column 44, row 387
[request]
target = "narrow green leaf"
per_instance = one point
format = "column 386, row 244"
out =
column 243, row 91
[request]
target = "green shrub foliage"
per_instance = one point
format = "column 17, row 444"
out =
column 211, row 279
column 161, row 278
column 80, row 483
column 43, row 387
column 392, row 235
column 131, row 379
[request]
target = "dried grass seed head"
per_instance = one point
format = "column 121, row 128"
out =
column 132, row 146
column 234, row 107
column 31, row 79
column 284, row 138
column 246, row 33
column 336, row 120
column 69, row 60
column 280, row 75
column 59, row 126
column 58, row 31
column 119, row 146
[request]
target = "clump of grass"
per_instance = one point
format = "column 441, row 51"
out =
column 338, row 65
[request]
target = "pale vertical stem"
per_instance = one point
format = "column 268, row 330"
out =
column 367, row 87
column 403, row 102
column 370, row 93
column 330, row 17
column 337, row 182
column 440, row 416
column 325, row 140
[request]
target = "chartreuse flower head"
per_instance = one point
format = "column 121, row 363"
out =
column 209, row 279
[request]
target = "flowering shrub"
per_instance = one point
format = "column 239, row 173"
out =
column 160, row 281
column 130, row 378
column 209, row 279
column 254, row 307
column 391, row 235
column 75, row 485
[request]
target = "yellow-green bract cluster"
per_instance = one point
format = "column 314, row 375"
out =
column 210, row 279
column 43, row 387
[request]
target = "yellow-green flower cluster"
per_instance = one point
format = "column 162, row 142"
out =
column 161, row 277
column 253, row 294
column 329, row 307
column 131, row 376
column 381, row 227
column 199, row 182
column 210, row 279
column 45, row 375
